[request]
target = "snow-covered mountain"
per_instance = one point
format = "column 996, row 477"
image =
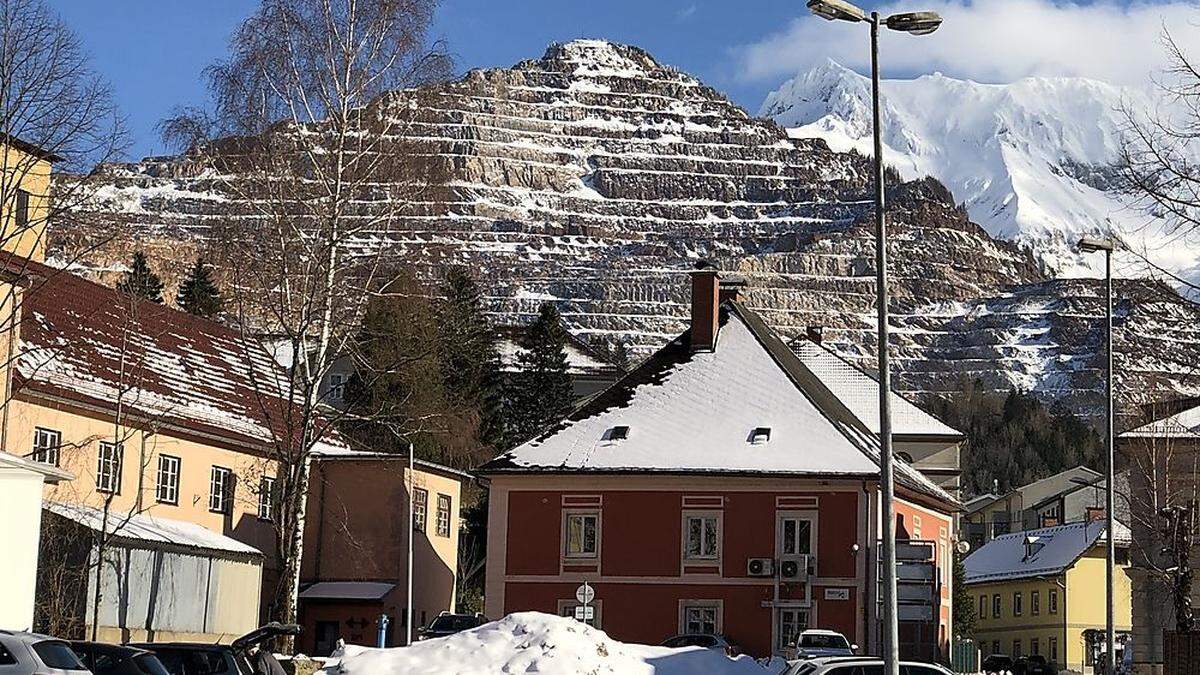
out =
column 1033, row 161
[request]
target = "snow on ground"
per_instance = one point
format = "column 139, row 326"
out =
column 531, row 642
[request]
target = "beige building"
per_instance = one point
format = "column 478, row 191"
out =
column 24, row 197
column 1068, row 496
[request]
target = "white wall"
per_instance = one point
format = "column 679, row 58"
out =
column 20, row 527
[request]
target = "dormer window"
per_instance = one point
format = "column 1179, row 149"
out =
column 615, row 435
column 1033, row 544
column 760, row 436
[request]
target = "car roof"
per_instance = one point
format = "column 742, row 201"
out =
column 198, row 646
column 133, row 649
column 28, row 638
column 820, row 631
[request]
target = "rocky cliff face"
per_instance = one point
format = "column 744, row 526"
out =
column 595, row 177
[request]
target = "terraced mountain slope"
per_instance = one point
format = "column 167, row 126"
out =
column 596, row 177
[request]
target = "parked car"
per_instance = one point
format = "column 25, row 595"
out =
column 106, row 659
column 1035, row 664
column 704, row 640
column 858, row 665
column 30, row 653
column 816, row 642
column 995, row 664
column 449, row 624
column 243, row 656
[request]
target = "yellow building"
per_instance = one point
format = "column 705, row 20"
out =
column 24, row 197
column 1042, row 592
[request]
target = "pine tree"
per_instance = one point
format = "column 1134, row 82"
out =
column 470, row 362
column 140, row 281
column 963, row 603
column 198, row 294
column 540, row 392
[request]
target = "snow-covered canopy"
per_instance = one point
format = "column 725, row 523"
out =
column 145, row 529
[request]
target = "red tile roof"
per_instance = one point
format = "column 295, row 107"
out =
column 93, row 346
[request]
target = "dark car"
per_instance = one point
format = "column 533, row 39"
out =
column 703, row 640
column 996, row 664
column 106, row 659
column 1035, row 664
column 243, row 656
column 449, row 624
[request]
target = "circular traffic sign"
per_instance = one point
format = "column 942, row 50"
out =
column 585, row 593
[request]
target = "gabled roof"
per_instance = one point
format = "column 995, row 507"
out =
column 1182, row 424
column 144, row 530
column 696, row 412
column 90, row 345
column 581, row 357
column 859, row 391
column 1053, row 550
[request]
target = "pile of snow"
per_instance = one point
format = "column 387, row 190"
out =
column 531, row 642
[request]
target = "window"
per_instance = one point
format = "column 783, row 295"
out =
column 916, row 532
column 1053, row 649
column 443, row 516
column 22, row 211
column 1018, row 606
column 582, row 535
column 1052, row 601
column 760, row 436
column 108, row 467
column 701, row 619
column 1016, row 650
column 996, row 606
column 702, row 534
column 983, row 606
column 166, row 485
column 1035, row 603
column 266, row 498
column 220, row 491
column 46, row 445
column 337, row 387
column 420, row 508
column 796, row 536
column 792, row 622
column 1034, row 647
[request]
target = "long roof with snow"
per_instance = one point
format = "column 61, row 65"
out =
column 697, row 412
column 1182, row 424
column 93, row 346
column 1035, row 553
column 859, row 391
column 145, row 530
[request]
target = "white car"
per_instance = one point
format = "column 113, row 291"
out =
column 859, row 665
column 30, row 653
column 816, row 643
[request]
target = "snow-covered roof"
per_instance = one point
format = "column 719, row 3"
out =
column 581, row 359
column 88, row 343
column 149, row 530
column 697, row 412
column 1050, row 550
column 49, row 472
column 1185, row 424
column 346, row 590
column 859, row 391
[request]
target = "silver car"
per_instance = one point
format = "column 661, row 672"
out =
column 30, row 654
column 858, row 665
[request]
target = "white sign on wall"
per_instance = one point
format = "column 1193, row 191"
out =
column 837, row 593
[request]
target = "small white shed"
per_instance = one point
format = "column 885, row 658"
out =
column 21, row 482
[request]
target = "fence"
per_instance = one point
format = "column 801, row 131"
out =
column 964, row 656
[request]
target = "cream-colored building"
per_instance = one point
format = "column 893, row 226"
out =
column 24, row 197
column 21, row 485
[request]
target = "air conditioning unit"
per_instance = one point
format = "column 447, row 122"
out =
column 795, row 569
column 760, row 567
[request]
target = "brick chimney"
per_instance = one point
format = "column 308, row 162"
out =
column 706, row 297
column 816, row 334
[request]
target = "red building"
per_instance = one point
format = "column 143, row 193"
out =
column 720, row 486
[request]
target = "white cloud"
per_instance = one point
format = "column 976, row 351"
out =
column 989, row 41
column 686, row 12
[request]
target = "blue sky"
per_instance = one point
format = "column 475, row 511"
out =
column 153, row 52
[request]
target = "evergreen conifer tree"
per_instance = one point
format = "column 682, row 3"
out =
column 198, row 294
column 140, row 281
column 470, row 363
column 963, row 604
column 541, row 390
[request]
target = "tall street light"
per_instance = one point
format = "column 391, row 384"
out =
column 915, row 23
column 1094, row 245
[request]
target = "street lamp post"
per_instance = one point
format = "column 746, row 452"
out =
column 915, row 23
column 1093, row 245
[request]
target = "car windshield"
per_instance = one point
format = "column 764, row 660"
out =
column 456, row 623
column 194, row 661
column 56, row 654
column 691, row 641
column 150, row 665
column 824, row 642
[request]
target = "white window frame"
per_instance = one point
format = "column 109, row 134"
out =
column 783, row 517
column 220, row 490
column 266, row 498
column 444, row 514
column 983, row 606
column 166, row 479
column 337, row 387
column 801, row 626
column 420, row 509
column 1035, row 603
column 997, row 607
column 702, row 516
column 689, row 607
column 1018, row 608
column 583, row 515
column 47, row 446
column 1052, row 602
column 109, row 460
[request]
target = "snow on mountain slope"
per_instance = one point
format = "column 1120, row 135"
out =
column 1033, row 161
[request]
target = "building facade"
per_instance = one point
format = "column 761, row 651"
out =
column 719, row 487
column 1041, row 592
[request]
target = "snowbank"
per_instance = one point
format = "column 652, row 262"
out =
column 530, row 642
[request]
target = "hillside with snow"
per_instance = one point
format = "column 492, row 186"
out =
column 1033, row 161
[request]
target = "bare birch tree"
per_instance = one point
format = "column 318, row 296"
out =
column 308, row 137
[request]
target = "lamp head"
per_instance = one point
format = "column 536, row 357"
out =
column 836, row 10
column 915, row 23
column 1094, row 244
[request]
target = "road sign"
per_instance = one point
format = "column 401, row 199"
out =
column 583, row 613
column 585, row 593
